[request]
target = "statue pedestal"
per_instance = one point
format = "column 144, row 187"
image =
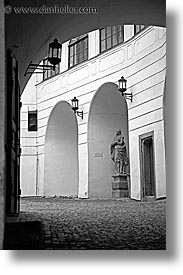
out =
column 120, row 186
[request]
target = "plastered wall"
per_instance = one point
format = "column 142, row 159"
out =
column 108, row 113
column 61, row 153
column 142, row 61
column 28, row 142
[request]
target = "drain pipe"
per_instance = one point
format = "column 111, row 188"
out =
column 37, row 157
column 37, row 167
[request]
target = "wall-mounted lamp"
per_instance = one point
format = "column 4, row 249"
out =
column 122, row 88
column 54, row 58
column 54, row 53
column 75, row 103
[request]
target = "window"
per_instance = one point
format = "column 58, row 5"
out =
column 32, row 120
column 110, row 37
column 78, row 50
column 138, row 28
column 49, row 72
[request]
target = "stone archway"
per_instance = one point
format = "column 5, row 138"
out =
column 108, row 113
column 61, row 152
column 28, row 34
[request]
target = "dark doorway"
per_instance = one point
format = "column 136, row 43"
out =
column 147, row 165
column 12, row 137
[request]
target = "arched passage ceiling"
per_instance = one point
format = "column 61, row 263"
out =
column 32, row 32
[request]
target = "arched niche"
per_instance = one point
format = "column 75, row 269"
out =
column 108, row 113
column 61, row 152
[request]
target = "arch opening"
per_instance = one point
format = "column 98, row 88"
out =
column 61, row 152
column 51, row 26
column 108, row 113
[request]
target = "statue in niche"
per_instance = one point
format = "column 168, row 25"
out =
column 119, row 153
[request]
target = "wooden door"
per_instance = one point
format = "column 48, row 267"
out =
column 12, row 146
column 147, row 162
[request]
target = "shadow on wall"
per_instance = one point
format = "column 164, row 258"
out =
column 108, row 113
column 61, row 152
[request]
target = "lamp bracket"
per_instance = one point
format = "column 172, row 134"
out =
column 80, row 114
column 32, row 67
column 128, row 96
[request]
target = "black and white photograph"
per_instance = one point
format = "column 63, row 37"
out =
column 85, row 135
column 84, row 126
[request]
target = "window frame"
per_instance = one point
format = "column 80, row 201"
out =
column 29, row 124
column 140, row 28
column 111, row 37
column 57, row 70
column 72, row 44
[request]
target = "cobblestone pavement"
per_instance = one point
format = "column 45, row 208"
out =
column 97, row 223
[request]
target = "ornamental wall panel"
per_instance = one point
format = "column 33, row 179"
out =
column 112, row 60
column 145, row 41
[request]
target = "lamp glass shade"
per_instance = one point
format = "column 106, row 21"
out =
column 75, row 103
column 54, row 52
column 122, row 84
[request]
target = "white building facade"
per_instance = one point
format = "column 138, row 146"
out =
column 66, row 155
